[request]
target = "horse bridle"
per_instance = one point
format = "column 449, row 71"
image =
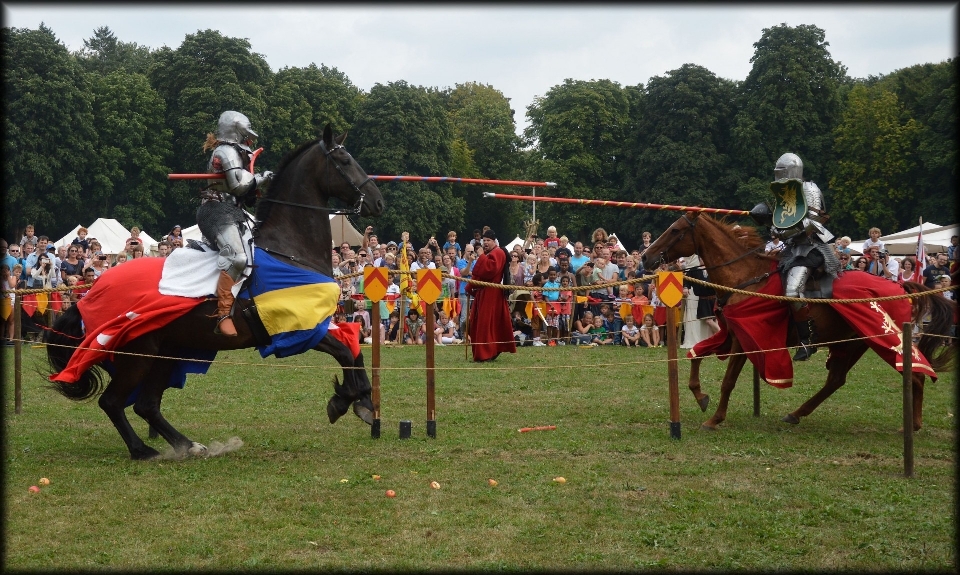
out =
column 355, row 210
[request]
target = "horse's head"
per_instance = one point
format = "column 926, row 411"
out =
column 345, row 179
column 677, row 242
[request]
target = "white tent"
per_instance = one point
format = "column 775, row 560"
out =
column 516, row 242
column 110, row 233
column 936, row 238
column 340, row 226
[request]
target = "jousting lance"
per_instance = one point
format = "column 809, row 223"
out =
column 430, row 179
column 615, row 204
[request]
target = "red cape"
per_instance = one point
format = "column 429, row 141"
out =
column 123, row 304
column 491, row 331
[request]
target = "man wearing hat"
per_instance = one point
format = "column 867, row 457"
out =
column 490, row 329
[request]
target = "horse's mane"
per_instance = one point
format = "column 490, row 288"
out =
column 747, row 237
column 263, row 208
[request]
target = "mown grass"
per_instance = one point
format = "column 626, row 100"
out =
column 757, row 495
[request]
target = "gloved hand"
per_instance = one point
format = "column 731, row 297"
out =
column 263, row 180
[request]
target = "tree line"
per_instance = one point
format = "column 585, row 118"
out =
column 95, row 132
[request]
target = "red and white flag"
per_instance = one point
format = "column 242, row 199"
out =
column 921, row 256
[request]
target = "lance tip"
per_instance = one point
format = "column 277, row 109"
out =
column 488, row 194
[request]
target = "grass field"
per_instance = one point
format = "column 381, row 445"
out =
column 828, row 494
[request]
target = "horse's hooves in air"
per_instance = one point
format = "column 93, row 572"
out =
column 703, row 402
column 363, row 408
column 790, row 418
column 197, row 449
column 336, row 407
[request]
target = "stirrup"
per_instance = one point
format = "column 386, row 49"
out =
column 217, row 330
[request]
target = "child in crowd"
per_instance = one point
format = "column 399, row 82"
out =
column 553, row 325
column 631, row 333
column 581, row 329
column 81, row 240
column 565, row 308
column 598, row 334
column 446, row 330
column 522, row 331
column 611, row 322
column 392, row 329
column 649, row 332
column 414, row 330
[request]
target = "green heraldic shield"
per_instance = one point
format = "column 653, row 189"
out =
column 789, row 204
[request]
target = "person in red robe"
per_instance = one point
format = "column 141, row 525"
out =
column 491, row 331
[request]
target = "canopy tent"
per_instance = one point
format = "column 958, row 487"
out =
column 110, row 233
column 936, row 238
column 515, row 242
column 340, row 227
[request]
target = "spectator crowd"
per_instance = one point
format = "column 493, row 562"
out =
column 585, row 305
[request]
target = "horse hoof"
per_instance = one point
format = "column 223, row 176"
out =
column 363, row 408
column 336, row 407
column 705, row 427
column 197, row 449
column 703, row 402
column 144, row 454
column 791, row 418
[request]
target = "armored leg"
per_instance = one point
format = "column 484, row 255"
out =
column 796, row 278
column 231, row 261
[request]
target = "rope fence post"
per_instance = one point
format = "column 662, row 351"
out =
column 908, row 399
column 17, row 354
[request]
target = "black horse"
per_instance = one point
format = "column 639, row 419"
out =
column 293, row 226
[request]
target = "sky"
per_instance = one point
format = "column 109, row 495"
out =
column 522, row 50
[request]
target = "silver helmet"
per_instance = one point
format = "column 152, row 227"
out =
column 788, row 166
column 235, row 128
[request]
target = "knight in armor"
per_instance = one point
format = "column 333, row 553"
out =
column 800, row 213
column 221, row 218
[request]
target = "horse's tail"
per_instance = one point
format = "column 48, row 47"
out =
column 937, row 315
column 62, row 341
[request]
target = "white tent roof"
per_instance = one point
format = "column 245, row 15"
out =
column 110, row 233
column 516, row 242
column 340, row 226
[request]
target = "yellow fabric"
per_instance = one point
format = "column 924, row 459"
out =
column 5, row 308
column 297, row 308
column 42, row 301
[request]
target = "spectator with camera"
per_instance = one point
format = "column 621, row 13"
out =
column 880, row 264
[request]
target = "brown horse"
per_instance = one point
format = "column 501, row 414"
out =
column 735, row 258
column 293, row 227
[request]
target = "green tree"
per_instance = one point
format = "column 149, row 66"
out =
column 577, row 132
column 404, row 130
column 486, row 146
column 130, row 173
column 789, row 102
column 301, row 102
column 103, row 54
column 876, row 148
column 48, row 132
column 681, row 154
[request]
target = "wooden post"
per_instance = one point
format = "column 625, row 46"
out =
column 431, row 382
column 17, row 354
column 756, row 391
column 375, row 368
column 673, row 373
column 908, row 399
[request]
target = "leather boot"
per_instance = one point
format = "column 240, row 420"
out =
column 806, row 349
column 224, row 303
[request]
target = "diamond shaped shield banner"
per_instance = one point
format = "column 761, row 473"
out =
column 375, row 283
column 428, row 285
column 670, row 288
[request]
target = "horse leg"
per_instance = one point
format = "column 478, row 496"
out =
column 129, row 370
column 147, row 407
column 734, row 367
column 703, row 400
column 356, row 385
column 917, row 381
column 842, row 358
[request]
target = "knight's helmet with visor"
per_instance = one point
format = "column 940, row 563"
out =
column 789, row 166
column 235, row 128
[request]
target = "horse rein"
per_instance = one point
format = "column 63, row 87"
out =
column 355, row 210
column 692, row 228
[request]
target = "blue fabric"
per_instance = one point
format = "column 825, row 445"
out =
column 271, row 274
